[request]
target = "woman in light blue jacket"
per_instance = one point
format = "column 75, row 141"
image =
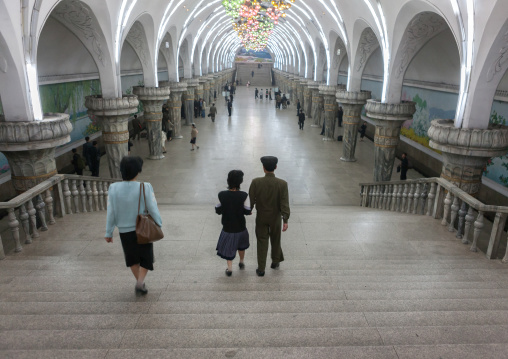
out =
column 123, row 200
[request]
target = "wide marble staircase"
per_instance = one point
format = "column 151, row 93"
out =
column 262, row 76
column 384, row 280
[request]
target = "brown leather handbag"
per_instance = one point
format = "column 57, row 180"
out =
column 147, row 230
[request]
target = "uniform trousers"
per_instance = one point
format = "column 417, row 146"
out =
column 268, row 228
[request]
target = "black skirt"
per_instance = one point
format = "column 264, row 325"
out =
column 193, row 140
column 229, row 243
column 135, row 253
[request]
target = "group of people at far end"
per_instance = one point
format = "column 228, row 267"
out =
column 259, row 94
column 268, row 195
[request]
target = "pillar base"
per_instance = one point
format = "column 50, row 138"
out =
column 466, row 151
column 352, row 103
column 30, row 148
column 113, row 115
column 388, row 119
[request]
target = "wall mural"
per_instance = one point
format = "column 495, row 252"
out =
column 253, row 56
column 69, row 97
column 433, row 104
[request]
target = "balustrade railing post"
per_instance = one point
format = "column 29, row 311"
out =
column 478, row 226
column 75, row 196
column 101, row 196
column 82, row 191
column 430, row 199
column 33, row 219
column 423, row 197
column 14, row 225
column 453, row 215
column 462, row 218
column 388, row 194
column 394, row 197
column 438, row 202
column 89, row 195
column 495, row 235
column 447, row 204
column 404, row 198
column 95, row 194
column 49, row 205
column 505, row 259
column 105, row 185
column 370, row 196
column 399, row 197
column 40, row 206
column 67, row 194
column 467, row 227
column 59, row 200
column 23, row 216
column 416, row 200
column 410, row 197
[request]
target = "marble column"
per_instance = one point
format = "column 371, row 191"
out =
column 388, row 119
column 30, row 148
column 189, row 96
column 307, row 96
column 113, row 116
column 466, row 151
column 330, row 106
column 317, row 105
column 178, row 89
column 293, row 91
column 153, row 98
column 211, row 87
column 301, row 85
column 200, row 89
column 352, row 103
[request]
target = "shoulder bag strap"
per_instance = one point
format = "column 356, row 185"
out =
column 144, row 197
column 139, row 201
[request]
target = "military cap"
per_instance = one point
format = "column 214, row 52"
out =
column 269, row 162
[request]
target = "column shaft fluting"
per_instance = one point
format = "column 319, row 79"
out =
column 153, row 98
column 352, row 104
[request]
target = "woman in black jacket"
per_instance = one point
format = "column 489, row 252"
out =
column 234, row 235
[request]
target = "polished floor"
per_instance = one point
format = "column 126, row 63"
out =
column 356, row 282
column 312, row 167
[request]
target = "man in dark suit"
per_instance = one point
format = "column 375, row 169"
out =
column 270, row 197
column 86, row 152
column 95, row 157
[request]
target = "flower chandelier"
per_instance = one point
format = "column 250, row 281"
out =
column 254, row 20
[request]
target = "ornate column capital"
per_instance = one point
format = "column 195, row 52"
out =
column 30, row 148
column 403, row 111
column 54, row 130
column 345, row 97
column 466, row 151
column 113, row 115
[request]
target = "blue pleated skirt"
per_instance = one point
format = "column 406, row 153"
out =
column 230, row 243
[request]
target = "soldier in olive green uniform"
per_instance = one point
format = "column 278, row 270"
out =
column 270, row 197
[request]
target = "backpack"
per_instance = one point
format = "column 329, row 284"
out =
column 80, row 162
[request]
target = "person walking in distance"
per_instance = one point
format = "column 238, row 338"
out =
column 256, row 93
column 86, row 152
column 77, row 162
column 261, row 94
column 363, row 129
column 269, row 195
column 213, row 112
column 298, row 106
column 266, row 94
column 301, row 119
column 340, row 115
column 194, row 136
column 95, row 158
column 230, row 107
column 270, row 94
column 404, row 166
column 234, row 235
column 136, row 127
column 252, row 73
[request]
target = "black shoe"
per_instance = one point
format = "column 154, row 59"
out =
column 260, row 273
column 275, row 265
column 228, row 272
column 141, row 290
column 241, row 265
